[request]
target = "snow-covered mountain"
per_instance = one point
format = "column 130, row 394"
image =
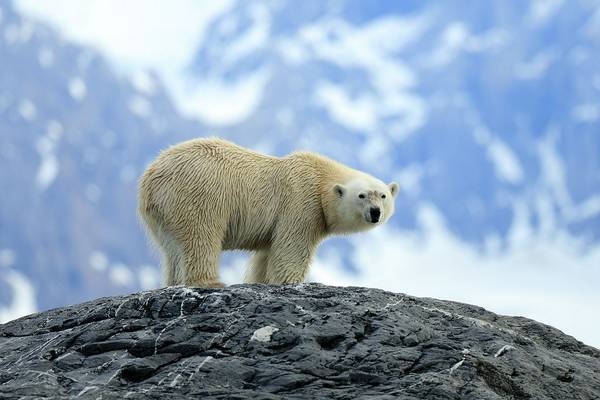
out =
column 486, row 113
column 489, row 111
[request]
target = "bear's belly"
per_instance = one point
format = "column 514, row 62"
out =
column 248, row 232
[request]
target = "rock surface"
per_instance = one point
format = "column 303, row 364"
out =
column 305, row 341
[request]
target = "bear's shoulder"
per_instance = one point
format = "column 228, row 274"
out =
column 315, row 159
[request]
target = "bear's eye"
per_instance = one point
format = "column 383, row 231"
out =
column 383, row 196
column 361, row 196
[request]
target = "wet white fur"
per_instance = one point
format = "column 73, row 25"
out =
column 204, row 196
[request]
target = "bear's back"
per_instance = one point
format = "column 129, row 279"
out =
column 215, row 149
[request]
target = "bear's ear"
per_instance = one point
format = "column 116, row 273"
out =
column 339, row 190
column 394, row 188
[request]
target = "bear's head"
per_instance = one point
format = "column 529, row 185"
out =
column 361, row 204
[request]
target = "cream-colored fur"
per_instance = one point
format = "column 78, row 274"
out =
column 204, row 196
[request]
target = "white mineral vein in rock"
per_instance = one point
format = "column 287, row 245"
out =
column 455, row 366
column 503, row 350
column 207, row 359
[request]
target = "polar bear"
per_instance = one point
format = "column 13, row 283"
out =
column 203, row 196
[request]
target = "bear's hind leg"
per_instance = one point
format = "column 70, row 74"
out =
column 201, row 250
column 257, row 269
column 172, row 257
column 201, row 267
column 167, row 246
column 173, row 266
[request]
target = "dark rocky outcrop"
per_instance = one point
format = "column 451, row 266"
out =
column 305, row 341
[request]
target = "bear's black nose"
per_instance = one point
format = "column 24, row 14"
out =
column 375, row 214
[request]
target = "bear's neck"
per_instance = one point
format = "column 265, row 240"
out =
column 329, row 203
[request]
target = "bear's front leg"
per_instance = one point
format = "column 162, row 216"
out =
column 290, row 256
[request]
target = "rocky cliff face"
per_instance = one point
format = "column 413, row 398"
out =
column 306, row 341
